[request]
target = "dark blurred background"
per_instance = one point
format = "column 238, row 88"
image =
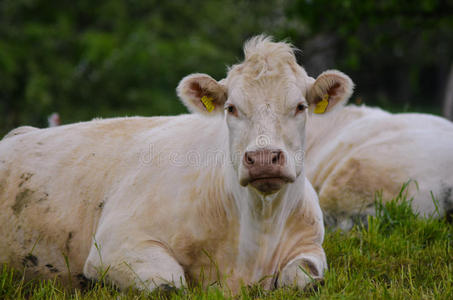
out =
column 86, row 59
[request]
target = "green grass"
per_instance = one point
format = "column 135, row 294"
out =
column 395, row 256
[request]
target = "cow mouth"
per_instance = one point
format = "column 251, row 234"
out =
column 268, row 185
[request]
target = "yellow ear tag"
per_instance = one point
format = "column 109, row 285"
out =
column 322, row 105
column 207, row 102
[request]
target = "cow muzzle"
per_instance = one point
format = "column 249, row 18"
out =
column 266, row 170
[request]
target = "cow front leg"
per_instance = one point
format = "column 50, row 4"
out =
column 304, row 270
column 145, row 266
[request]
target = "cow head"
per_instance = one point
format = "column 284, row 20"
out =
column 265, row 101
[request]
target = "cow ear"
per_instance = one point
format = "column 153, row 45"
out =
column 329, row 89
column 202, row 93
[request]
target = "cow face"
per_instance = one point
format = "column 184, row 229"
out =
column 265, row 101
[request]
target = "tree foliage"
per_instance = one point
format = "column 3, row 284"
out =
column 113, row 58
column 398, row 52
column 125, row 57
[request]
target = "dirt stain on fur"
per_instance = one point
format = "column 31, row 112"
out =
column 68, row 242
column 24, row 178
column 22, row 199
column 30, row 260
column 51, row 268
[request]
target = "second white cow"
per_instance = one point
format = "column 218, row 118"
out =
column 358, row 151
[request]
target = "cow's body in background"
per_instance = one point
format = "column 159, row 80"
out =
column 153, row 201
column 358, row 151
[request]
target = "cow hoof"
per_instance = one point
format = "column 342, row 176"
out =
column 315, row 285
column 166, row 288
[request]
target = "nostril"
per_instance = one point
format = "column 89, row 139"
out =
column 248, row 159
column 277, row 157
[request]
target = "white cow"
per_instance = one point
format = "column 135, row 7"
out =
column 355, row 152
column 220, row 195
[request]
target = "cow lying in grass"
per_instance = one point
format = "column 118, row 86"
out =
column 358, row 151
column 220, row 195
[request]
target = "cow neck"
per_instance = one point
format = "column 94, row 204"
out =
column 262, row 220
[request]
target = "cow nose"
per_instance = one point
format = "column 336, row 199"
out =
column 264, row 158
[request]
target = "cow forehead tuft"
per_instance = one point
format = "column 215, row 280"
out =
column 265, row 58
column 263, row 46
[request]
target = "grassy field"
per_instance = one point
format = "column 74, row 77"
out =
column 395, row 256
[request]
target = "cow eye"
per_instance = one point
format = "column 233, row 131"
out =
column 300, row 107
column 231, row 109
